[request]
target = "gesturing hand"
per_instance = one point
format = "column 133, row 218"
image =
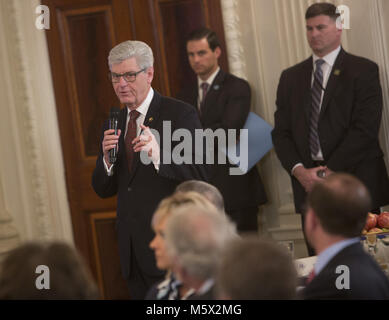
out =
column 147, row 142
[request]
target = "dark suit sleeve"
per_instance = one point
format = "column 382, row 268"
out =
column 365, row 121
column 105, row 186
column 182, row 172
column 282, row 133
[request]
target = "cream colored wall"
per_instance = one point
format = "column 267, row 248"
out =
column 263, row 38
column 31, row 168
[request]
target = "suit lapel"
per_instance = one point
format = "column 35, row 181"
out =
column 306, row 82
column 153, row 112
column 194, row 95
column 213, row 92
column 333, row 81
column 122, row 127
column 191, row 94
column 150, row 121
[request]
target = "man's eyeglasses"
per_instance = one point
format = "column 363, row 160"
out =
column 128, row 76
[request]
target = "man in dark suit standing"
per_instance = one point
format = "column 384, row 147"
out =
column 223, row 102
column 140, row 182
column 336, row 215
column 328, row 114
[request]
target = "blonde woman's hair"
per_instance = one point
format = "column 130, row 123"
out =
column 180, row 200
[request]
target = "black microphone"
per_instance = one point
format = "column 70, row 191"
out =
column 113, row 124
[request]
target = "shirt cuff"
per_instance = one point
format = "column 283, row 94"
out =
column 295, row 166
column 109, row 170
column 156, row 164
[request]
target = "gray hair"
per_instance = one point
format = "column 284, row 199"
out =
column 268, row 271
column 132, row 49
column 195, row 238
column 205, row 189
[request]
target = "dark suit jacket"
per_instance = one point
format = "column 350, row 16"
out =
column 367, row 281
column 348, row 127
column 227, row 105
column 140, row 191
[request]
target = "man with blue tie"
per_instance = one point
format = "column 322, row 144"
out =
column 329, row 113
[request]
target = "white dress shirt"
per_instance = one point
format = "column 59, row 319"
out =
column 209, row 81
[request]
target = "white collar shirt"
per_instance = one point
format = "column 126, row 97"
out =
column 209, row 81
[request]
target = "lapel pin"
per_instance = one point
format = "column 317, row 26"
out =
column 216, row 87
column 337, row 72
column 151, row 119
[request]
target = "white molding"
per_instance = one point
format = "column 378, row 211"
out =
column 233, row 37
column 39, row 155
column 29, row 126
column 379, row 37
column 12, row 165
column 9, row 235
column 48, row 169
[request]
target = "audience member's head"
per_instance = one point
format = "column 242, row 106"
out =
column 256, row 269
column 166, row 207
column 132, row 49
column 131, row 72
column 205, row 189
column 337, row 209
column 324, row 28
column 54, row 267
column 322, row 8
column 195, row 238
column 203, row 50
column 205, row 33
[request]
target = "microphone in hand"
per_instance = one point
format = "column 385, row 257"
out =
column 113, row 124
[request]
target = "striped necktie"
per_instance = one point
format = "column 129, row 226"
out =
column 316, row 91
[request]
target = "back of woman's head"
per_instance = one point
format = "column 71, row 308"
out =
column 45, row 271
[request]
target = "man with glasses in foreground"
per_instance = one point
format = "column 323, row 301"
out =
column 138, row 185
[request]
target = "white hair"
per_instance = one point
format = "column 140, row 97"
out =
column 195, row 238
column 132, row 49
column 207, row 190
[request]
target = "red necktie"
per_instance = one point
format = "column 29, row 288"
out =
column 131, row 135
column 310, row 277
column 204, row 86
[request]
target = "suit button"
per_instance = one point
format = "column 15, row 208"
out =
column 129, row 189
